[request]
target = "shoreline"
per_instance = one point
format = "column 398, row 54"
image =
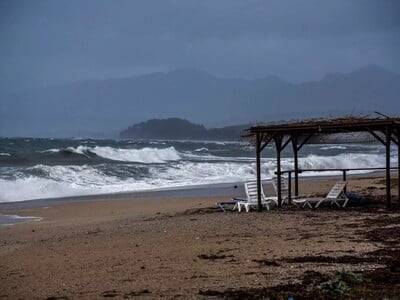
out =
column 189, row 191
column 13, row 213
column 203, row 190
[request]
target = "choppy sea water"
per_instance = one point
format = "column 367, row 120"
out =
column 35, row 168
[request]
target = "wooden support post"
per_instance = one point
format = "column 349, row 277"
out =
column 290, row 187
column 387, row 145
column 296, row 149
column 296, row 165
column 278, row 169
column 344, row 179
column 278, row 145
column 398, row 166
column 398, row 171
column 258, row 163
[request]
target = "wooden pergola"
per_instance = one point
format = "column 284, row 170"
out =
column 383, row 130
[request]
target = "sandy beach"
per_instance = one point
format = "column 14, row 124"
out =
column 187, row 248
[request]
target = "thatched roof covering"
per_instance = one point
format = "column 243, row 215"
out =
column 338, row 130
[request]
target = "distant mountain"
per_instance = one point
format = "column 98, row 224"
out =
column 176, row 128
column 96, row 107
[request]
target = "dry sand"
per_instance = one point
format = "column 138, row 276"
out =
column 186, row 248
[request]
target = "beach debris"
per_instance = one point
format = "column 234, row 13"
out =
column 346, row 259
column 95, row 231
column 394, row 266
column 134, row 294
column 114, row 293
column 266, row 262
column 109, row 294
column 213, row 256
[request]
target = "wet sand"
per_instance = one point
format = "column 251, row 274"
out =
column 187, row 248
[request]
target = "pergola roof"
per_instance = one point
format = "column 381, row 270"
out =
column 325, row 127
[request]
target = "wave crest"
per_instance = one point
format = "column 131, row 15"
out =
column 144, row 155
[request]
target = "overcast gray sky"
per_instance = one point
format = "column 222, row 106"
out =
column 51, row 42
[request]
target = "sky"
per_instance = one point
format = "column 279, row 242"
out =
column 50, row 42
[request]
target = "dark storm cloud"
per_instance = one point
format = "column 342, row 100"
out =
column 47, row 42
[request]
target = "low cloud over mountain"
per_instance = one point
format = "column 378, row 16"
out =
column 104, row 106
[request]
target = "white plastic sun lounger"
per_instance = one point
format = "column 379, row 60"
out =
column 284, row 189
column 233, row 204
column 252, row 197
column 335, row 195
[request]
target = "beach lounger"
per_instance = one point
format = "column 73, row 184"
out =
column 335, row 195
column 355, row 198
column 252, row 197
column 224, row 205
column 284, row 189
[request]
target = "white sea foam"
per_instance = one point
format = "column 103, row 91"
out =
column 208, row 157
column 17, row 217
column 33, row 188
column 221, row 143
column 156, row 143
column 343, row 161
column 82, row 150
column 9, row 220
column 334, row 147
column 201, row 150
column 50, row 151
column 63, row 181
column 192, row 173
column 144, row 155
column 5, row 154
column 59, row 181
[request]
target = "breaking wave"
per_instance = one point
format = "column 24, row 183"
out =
column 144, row 155
column 201, row 150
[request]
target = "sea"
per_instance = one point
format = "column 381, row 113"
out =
column 39, row 168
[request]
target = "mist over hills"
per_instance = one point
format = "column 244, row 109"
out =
column 104, row 107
